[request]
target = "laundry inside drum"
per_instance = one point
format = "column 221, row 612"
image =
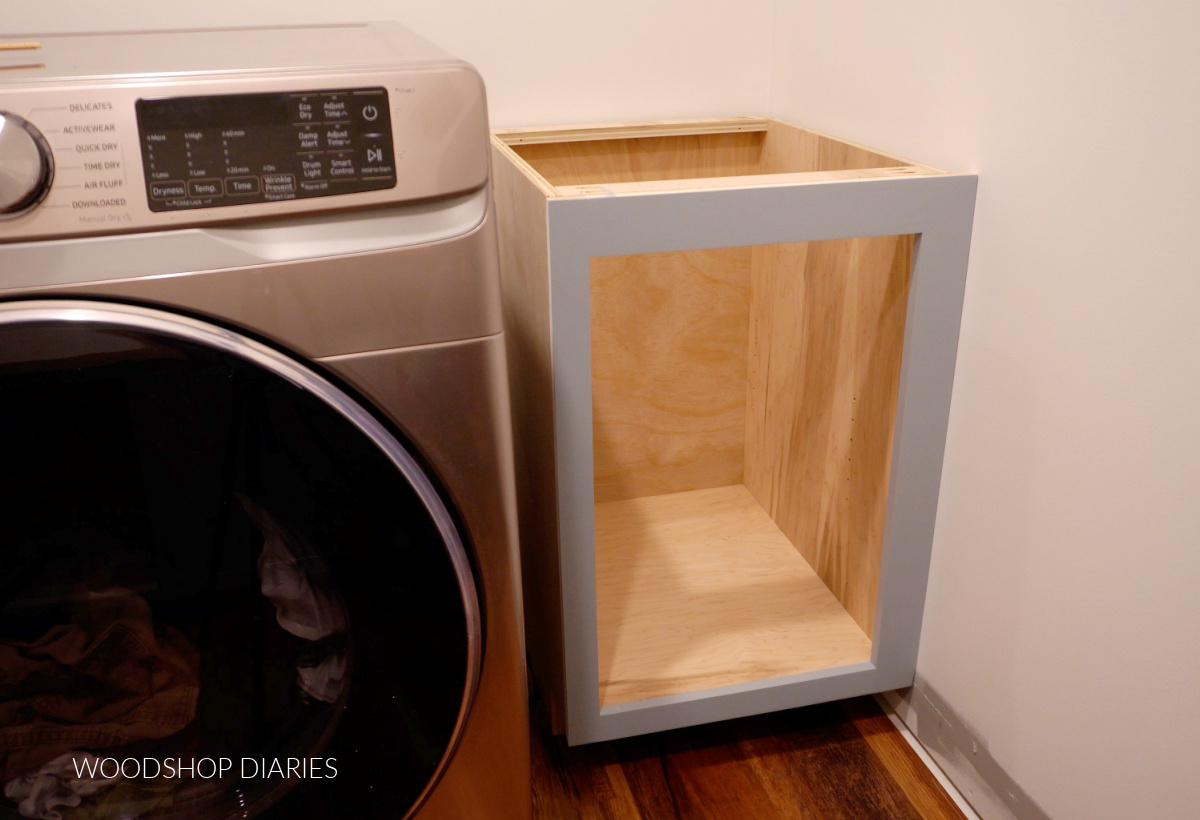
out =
column 218, row 597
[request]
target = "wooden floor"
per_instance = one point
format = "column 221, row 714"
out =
column 839, row 761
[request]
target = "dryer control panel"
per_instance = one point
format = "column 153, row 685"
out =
column 156, row 131
column 234, row 149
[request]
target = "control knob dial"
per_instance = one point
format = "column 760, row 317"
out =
column 26, row 166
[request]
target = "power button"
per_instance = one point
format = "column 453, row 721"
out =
column 370, row 113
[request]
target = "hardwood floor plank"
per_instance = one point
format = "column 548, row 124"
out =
column 643, row 763
column 580, row 784
column 845, row 786
column 554, row 792
column 771, row 759
column 710, row 777
column 835, row 768
column 616, row 788
column 901, row 763
column 839, row 761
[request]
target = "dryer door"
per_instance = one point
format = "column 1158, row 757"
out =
column 226, row 589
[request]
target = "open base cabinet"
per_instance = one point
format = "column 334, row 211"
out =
column 724, row 337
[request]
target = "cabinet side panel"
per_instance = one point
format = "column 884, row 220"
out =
column 525, row 297
column 668, row 371
column 791, row 150
column 826, row 333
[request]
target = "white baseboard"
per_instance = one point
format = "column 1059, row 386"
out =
column 958, row 754
column 884, row 700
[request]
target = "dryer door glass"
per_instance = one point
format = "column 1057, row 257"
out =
column 226, row 589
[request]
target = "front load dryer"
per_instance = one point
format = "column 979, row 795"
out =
column 258, row 546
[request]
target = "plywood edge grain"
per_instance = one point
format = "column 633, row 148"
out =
column 501, row 151
column 663, row 128
column 824, row 149
column 625, row 130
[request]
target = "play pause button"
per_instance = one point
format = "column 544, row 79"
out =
column 375, row 161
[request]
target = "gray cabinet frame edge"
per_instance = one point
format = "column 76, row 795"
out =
column 939, row 210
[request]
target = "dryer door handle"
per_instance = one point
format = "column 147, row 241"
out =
column 356, row 231
column 165, row 253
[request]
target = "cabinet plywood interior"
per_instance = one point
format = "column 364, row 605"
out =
column 648, row 157
column 743, row 409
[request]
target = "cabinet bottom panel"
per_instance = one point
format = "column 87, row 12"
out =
column 701, row 589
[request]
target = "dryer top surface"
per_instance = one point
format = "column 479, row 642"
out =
column 33, row 58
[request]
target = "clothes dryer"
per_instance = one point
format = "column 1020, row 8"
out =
column 259, row 545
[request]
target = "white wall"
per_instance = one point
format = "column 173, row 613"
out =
column 1063, row 618
column 544, row 61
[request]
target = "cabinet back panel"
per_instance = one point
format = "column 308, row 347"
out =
column 644, row 159
column 669, row 351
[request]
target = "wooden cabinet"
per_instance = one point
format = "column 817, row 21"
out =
column 731, row 346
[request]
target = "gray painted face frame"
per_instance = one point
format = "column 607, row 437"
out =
column 939, row 210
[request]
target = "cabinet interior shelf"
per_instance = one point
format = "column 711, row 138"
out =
column 701, row 589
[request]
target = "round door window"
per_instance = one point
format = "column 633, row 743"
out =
column 227, row 590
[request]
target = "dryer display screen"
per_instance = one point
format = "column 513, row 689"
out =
column 209, row 152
